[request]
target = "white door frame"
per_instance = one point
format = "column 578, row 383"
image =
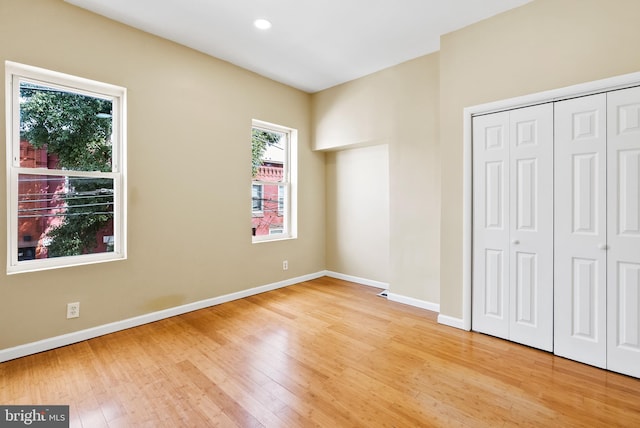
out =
column 604, row 85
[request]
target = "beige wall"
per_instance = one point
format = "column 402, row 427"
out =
column 397, row 107
column 543, row 45
column 178, row 98
column 416, row 108
column 415, row 182
column 189, row 217
column 358, row 212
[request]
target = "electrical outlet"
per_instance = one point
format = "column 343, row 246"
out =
column 285, row 265
column 73, row 310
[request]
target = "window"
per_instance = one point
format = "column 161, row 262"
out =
column 66, row 167
column 273, row 184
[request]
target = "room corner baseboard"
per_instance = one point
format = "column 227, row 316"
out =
column 356, row 279
column 422, row 304
column 452, row 322
column 385, row 286
column 90, row 333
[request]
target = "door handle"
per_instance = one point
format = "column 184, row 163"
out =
column 515, row 242
column 603, row 247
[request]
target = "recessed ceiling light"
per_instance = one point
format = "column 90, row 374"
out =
column 262, row 24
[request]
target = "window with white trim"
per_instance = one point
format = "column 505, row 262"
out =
column 273, row 185
column 66, row 170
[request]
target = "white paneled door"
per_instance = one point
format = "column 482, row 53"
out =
column 580, row 229
column 513, row 225
column 597, row 230
column 491, row 224
column 623, row 230
column 556, row 227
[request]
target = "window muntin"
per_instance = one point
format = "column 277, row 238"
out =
column 274, row 172
column 65, row 158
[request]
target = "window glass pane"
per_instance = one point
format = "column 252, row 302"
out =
column 60, row 129
column 268, row 149
column 64, row 216
column 256, row 197
column 276, row 231
column 281, row 193
column 271, row 217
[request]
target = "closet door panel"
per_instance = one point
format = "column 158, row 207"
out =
column 580, row 287
column 513, row 225
column 491, row 224
column 531, row 226
column 623, row 265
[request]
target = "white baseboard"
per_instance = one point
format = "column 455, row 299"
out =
column 79, row 336
column 385, row 285
column 452, row 322
column 351, row 278
column 434, row 307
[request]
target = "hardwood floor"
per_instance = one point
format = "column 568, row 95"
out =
column 323, row 353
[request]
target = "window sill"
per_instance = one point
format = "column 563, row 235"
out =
column 268, row 238
column 63, row 262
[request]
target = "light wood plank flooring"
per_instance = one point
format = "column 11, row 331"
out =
column 325, row 353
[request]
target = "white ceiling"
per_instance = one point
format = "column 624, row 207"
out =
column 312, row 45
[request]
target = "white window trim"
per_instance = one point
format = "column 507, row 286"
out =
column 13, row 73
column 290, row 214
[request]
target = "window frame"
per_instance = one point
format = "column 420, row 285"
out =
column 289, row 182
column 15, row 73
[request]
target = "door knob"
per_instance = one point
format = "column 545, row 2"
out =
column 603, row 247
column 515, row 242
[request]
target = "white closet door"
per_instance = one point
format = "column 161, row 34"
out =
column 513, row 225
column 623, row 267
column 490, row 309
column 531, row 226
column 580, row 230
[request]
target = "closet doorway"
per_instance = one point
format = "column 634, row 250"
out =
column 556, row 226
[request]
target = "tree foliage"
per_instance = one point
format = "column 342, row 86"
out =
column 260, row 141
column 89, row 206
column 76, row 129
column 70, row 125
